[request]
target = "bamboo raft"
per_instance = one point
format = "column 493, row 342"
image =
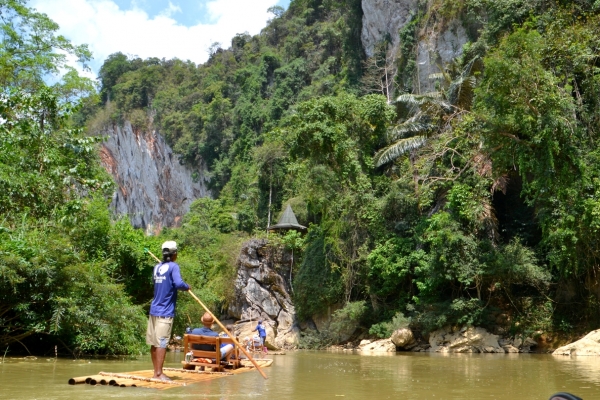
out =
column 180, row 377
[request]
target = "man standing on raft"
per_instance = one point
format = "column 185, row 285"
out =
column 263, row 335
column 167, row 280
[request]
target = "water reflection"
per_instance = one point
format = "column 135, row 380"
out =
column 319, row 375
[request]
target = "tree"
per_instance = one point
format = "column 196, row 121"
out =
column 59, row 275
column 269, row 156
column 29, row 47
column 432, row 112
column 277, row 11
column 111, row 70
column 380, row 70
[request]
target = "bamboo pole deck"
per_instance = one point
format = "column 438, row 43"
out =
column 180, row 377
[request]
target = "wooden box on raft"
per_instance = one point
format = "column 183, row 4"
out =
column 210, row 358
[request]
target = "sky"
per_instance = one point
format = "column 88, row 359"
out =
column 183, row 29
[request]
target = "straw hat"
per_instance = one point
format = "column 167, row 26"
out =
column 207, row 319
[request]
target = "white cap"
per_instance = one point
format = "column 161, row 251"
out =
column 170, row 245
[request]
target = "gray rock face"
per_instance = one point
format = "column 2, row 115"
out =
column 262, row 291
column 436, row 44
column 438, row 48
column 382, row 17
column 154, row 189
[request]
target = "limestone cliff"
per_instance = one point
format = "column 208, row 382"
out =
column 153, row 188
column 437, row 43
column 262, row 291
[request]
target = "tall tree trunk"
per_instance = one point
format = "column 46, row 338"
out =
column 270, row 197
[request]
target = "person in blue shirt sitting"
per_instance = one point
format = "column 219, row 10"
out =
column 207, row 320
column 167, row 281
column 262, row 333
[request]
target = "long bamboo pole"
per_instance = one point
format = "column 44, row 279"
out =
column 221, row 325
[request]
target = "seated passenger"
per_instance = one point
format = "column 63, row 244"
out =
column 247, row 343
column 207, row 321
column 256, row 342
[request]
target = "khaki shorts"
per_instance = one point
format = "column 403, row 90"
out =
column 159, row 331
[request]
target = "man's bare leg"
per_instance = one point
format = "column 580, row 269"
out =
column 158, row 361
column 153, row 356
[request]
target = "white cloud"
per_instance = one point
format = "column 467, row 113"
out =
column 108, row 29
column 172, row 9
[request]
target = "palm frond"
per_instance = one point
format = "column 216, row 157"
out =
column 396, row 149
column 411, row 127
column 410, row 99
column 462, row 91
column 416, row 101
column 57, row 316
column 437, row 76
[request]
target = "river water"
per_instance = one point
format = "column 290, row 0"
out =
column 326, row 375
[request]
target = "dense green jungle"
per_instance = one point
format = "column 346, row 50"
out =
column 476, row 204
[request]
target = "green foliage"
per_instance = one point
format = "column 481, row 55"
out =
column 45, row 164
column 293, row 240
column 343, row 324
column 546, row 135
column 51, row 286
column 207, row 214
column 385, row 329
column 407, row 62
column 345, row 320
column 316, row 285
column 431, row 113
column 30, row 50
column 391, row 266
column 63, row 276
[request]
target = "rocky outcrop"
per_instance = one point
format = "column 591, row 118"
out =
column 403, row 338
column 385, row 17
column 376, row 346
column 517, row 345
column 153, row 189
column 437, row 44
column 262, row 291
column 438, row 47
column 589, row 345
column 465, row 340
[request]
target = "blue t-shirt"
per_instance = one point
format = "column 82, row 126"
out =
column 206, row 332
column 167, row 281
column 261, row 330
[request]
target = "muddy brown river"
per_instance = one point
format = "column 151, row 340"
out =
column 326, row 375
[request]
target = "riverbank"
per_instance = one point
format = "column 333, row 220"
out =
column 462, row 340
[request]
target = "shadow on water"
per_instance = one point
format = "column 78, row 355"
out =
column 319, row 375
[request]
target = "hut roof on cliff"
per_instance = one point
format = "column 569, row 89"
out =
column 287, row 221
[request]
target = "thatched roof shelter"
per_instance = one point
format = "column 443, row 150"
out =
column 287, row 221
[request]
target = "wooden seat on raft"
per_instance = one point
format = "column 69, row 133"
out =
column 232, row 360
